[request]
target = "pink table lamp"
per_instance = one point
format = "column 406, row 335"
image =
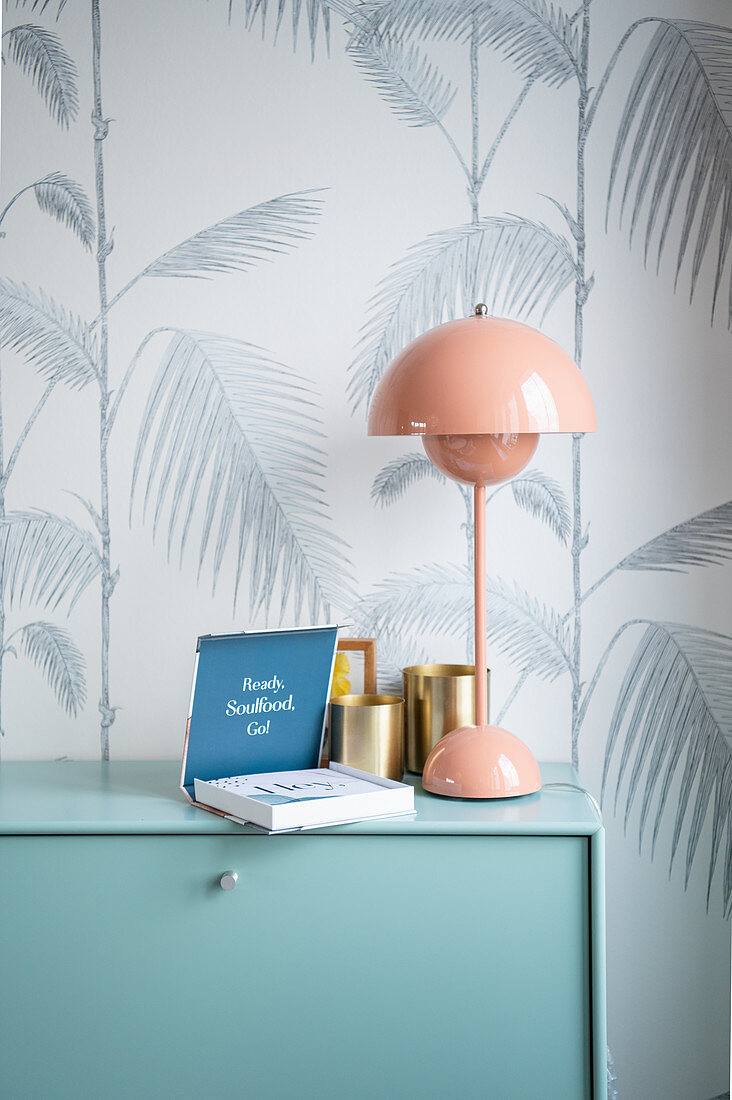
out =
column 479, row 391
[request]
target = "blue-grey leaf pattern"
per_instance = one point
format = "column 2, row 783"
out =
column 301, row 559
column 677, row 124
column 40, row 5
column 516, row 266
column 530, row 634
column 239, row 242
column 395, row 653
column 40, row 54
column 543, row 497
column 45, row 559
column 316, row 15
column 55, row 342
column 440, row 598
column 534, row 491
column 405, row 79
column 674, row 716
column 395, row 478
column 430, row 597
column 222, row 415
column 54, row 652
column 66, row 200
column 538, row 37
column 703, row 540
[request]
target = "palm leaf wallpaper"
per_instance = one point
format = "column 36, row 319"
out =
column 517, row 267
column 678, row 116
column 53, row 651
column 538, row 37
column 39, row 52
column 202, row 283
column 55, row 342
column 674, row 717
column 221, row 415
column 404, row 79
column 241, row 241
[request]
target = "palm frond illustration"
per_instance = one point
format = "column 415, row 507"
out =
column 40, row 5
column 67, row 350
column 223, row 415
column 677, row 130
column 534, row 491
column 440, row 597
column 41, row 55
column 543, row 497
column 233, row 244
column 59, row 345
column 65, row 200
column 55, row 654
column 540, row 40
column 45, row 559
column 676, row 695
column 394, row 653
column 430, row 597
column 526, row 631
column 413, row 86
column 42, row 557
column 705, row 539
column 404, row 78
column 314, row 13
column 395, row 478
column 515, row 266
column 238, row 242
column 674, row 718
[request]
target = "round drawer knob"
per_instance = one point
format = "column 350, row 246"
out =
column 228, row 880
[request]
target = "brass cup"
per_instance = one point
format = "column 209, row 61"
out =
column 367, row 732
column 438, row 698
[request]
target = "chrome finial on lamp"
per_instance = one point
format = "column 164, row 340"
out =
column 480, row 391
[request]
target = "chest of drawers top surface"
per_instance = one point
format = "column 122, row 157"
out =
column 144, row 797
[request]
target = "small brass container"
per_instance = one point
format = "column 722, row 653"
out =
column 367, row 732
column 438, row 698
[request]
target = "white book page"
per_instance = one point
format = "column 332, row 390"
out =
column 278, row 788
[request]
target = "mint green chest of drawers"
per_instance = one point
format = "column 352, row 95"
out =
column 459, row 953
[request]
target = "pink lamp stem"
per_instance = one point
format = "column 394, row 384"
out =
column 481, row 676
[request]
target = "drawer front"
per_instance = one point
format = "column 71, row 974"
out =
column 339, row 966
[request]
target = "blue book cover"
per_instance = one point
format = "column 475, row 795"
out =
column 258, row 702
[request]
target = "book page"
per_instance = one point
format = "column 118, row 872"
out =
column 277, row 788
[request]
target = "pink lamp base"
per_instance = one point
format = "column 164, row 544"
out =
column 481, row 762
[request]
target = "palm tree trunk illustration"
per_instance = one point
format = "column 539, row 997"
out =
column 104, row 247
column 579, row 539
column 2, row 586
column 474, row 120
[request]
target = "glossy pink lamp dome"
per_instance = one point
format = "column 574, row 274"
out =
column 480, row 391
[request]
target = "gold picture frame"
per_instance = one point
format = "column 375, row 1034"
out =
column 359, row 676
column 362, row 676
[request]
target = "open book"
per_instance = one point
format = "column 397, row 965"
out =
column 305, row 799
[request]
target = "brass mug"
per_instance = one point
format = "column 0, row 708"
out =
column 438, row 698
column 367, row 732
